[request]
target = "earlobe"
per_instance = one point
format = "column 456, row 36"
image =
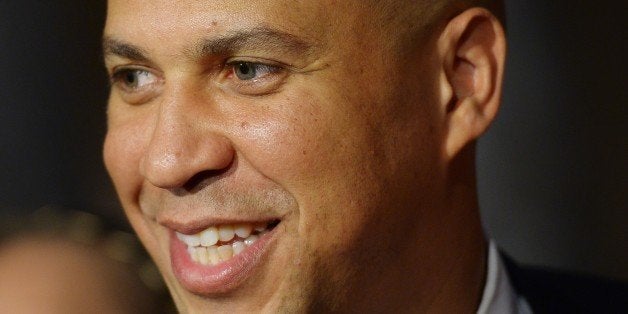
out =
column 474, row 50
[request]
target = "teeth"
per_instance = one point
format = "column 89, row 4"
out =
column 226, row 233
column 195, row 255
column 260, row 227
column 190, row 240
column 209, row 236
column 238, row 247
column 214, row 258
column 250, row 240
column 203, row 258
column 243, row 230
column 225, row 252
column 211, row 247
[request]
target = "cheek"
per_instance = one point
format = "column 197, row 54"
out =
column 319, row 153
column 122, row 152
column 286, row 143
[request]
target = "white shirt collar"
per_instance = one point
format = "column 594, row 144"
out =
column 499, row 297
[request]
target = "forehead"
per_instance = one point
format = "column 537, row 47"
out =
column 341, row 24
column 159, row 20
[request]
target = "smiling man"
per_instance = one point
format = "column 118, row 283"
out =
column 314, row 156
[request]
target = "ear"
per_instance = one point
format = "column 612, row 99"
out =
column 473, row 50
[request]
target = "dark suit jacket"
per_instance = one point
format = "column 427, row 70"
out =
column 550, row 291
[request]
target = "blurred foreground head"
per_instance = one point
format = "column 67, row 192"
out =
column 305, row 155
column 40, row 274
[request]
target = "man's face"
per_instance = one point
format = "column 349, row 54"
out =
column 311, row 121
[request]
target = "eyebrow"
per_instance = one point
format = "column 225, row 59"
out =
column 256, row 39
column 111, row 46
column 260, row 38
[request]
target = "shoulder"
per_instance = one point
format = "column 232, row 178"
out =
column 552, row 291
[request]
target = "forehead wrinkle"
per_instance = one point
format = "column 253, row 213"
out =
column 256, row 39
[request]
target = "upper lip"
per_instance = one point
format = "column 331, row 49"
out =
column 197, row 225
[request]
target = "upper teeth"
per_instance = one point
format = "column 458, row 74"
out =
column 202, row 246
column 223, row 233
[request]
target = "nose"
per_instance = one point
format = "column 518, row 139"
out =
column 182, row 145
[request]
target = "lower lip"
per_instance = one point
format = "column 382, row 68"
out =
column 221, row 278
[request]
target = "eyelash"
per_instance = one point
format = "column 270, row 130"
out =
column 267, row 82
column 135, row 94
column 119, row 75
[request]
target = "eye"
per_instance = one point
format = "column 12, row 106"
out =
column 254, row 78
column 136, row 85
column 133, row 79
column 248, row 70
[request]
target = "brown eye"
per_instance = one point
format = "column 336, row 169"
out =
column 133, row 79
column 130, row 79
column 135, row 85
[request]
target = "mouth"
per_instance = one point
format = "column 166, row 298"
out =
column 220, row 257
column 218, row 244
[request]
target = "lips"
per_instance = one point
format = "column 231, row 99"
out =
column 220, row 257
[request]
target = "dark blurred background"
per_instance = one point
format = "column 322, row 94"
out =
column 553, row 171
column 53, row 92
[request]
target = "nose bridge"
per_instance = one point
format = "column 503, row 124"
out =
column 183, row 143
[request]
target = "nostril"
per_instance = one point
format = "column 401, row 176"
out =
column 200, row 180
column 185, row 163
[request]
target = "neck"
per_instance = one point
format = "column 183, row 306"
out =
column 462, row 272
column 443, row 268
